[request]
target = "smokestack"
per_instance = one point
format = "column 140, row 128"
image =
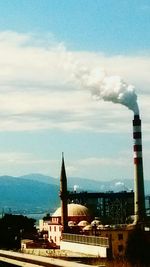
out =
column 116, row 90
column 63, row 196
column 139, row 197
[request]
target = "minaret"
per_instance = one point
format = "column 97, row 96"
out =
column 63, row 196
column 139, row 197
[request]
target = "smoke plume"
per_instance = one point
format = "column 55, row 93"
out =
column 108, row 88
column 75, row 187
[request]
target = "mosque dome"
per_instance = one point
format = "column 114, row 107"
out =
column 83, row 223
column 71, row 223
column 73, row 210
column 87, row 228
column 95, row 222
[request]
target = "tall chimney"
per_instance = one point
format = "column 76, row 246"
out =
column 139, row 197
column 63, row 196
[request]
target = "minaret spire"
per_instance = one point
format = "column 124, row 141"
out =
column 63, row 170
column 63, row 196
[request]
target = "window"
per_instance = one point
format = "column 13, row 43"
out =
column 120, row 236
column 50, row 228
column 120, row 248
column 55, row 239
column 54, row 228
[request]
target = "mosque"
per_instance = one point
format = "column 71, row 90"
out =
column 72, row 220
column 78, row 216
column 72, row 227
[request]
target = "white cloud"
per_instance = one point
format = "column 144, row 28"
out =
column 109, row 167
column 18, row 158
column 107, row 161
column 101, row 168
column 38, row 91
column 19, row 163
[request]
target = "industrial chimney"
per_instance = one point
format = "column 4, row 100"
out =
column 139, row 197
column 63, row 196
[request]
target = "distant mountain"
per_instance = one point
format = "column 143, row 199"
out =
column 79, row 183
column 95, row 185
column 113, row 185
column 89, row 184
column 41, row 193
column 25, row 194
column 40, row 178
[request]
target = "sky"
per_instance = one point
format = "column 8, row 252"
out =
column 47, row 50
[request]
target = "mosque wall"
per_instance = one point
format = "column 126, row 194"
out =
column 87, row 249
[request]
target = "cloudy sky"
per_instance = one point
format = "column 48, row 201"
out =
column 45, row 109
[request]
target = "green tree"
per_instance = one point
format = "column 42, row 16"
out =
column 13, row 228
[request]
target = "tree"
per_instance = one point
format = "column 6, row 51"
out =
column 13, row 228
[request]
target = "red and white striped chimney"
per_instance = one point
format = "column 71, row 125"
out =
column 139, row 196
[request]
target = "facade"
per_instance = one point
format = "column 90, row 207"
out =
column 117, row 238
column 84, row 234
column 91, row 245
column 52, row 228
column 111, row 207
column 101, row 241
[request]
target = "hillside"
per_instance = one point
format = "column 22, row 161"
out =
column 89, row 184
column 25, row 194
column 37, row 192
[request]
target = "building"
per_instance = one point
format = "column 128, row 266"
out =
column 52, row 228
column 73, row 228
column 111, row 207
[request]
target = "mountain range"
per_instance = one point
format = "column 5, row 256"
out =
column 38, row 192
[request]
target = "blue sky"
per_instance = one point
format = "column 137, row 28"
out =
column 111, row 26
column 45, row 110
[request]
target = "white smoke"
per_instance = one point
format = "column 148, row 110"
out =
column 75, row 187
column 108, row 88
column 120, row 186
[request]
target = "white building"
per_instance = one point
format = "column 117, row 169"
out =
column 52, row 228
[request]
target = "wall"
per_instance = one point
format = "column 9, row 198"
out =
column 118, row 239
column 83, row 248
column 54, row 233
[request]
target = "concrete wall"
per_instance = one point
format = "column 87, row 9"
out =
column 118, row 238
column 83, row 248
column 26, row 260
